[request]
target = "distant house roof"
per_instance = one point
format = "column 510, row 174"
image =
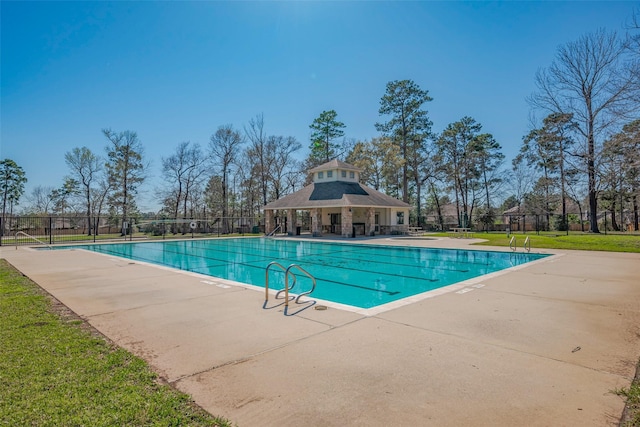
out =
column 334, row 164
column 513, row 210
column 336, row 194
column 446, row 210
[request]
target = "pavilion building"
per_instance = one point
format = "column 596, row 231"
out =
column 339, row 204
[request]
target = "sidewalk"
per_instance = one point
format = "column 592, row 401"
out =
column 541, row 345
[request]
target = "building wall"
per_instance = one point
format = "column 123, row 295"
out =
column 395, row 219
column 336, row 175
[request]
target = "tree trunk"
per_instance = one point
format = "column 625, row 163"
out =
column 184, row 211
column 418, row 203
column 591, row 169
column 622, row 226
column 614, row 223
column 635, row 213
column 580, row 210
column 89, row 212
column 438, row 209
column 458, row 208
column 225, row 204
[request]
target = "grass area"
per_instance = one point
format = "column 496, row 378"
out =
column 558, row 240
column 56, row 371
column 632, row 411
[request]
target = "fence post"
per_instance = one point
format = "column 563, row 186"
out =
column 50, row 230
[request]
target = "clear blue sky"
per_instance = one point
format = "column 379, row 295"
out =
column 175, row 71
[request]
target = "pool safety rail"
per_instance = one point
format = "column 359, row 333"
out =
column 514, row 246
column 30, row 237
column 287, row 273
column 275, row 230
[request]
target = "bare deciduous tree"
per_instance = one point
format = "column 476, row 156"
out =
column 183, row 171
column 285, row 172
column 84, row 167
column 40, row 199
column 225, row 145
column 590, row 79
column 260, row 154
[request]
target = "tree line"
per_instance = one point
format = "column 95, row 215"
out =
column 584, row 153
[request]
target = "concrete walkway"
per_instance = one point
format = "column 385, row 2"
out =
column 541, row 345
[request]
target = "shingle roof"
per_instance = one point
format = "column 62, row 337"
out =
column 336, row 194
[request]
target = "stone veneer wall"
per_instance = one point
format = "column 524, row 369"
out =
column 316, row 222
column 291, row 222
column 347, row 222
column 268, row 221
column 371, row 222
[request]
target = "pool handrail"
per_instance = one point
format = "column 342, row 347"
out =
column 512, row 243
column 31, row 237
column 527, row 244
column 287, row 288
column 274, row 231
column 266, row 284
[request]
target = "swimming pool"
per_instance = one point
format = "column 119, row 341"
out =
column 362, row 276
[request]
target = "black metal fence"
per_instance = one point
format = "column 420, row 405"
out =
column 534, row 222
column 49, row 230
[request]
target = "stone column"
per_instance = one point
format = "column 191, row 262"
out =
column 347, row 222
column 316, row 222
column 371, row 221
column 268, row 221
column 291, row 222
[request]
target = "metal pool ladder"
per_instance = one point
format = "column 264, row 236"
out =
column 287, row 288
column 514, row 246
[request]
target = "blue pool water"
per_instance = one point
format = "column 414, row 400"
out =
column 363, row 276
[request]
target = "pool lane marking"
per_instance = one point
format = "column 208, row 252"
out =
column 292, row 256
column 225, row 263
column 355, row 248
column 320, row 278
column 345, row 248
column 360, row 287
column 231, row 246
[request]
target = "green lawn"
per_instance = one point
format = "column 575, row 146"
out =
column 56, row 371
column 558, row 240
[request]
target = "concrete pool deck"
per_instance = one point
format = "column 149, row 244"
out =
column 544, row 344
